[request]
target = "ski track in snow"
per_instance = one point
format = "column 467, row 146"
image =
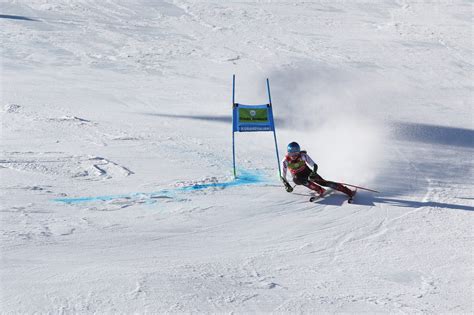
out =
column 117, row 194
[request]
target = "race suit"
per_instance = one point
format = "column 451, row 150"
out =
column 300, row 172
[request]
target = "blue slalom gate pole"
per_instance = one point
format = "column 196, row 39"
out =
column 269, row 95
column 274, row 128
column 233, row 153
column 276, row 149
column 233, row 90
column 233, row 132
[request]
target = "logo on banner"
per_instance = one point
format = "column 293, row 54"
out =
column 247, row 115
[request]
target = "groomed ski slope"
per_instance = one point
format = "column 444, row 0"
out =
column 117, row 193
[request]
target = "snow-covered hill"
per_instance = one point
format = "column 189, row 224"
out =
column 117, row 193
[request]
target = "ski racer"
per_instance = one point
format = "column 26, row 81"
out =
column 299, row 163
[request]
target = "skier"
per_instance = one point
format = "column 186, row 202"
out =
column 299, row 164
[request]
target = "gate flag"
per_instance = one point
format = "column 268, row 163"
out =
column 252, row 118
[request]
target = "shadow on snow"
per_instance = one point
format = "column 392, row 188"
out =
column 367, row 199
column 17, row 17
column 434, row 134
column 212, row 118
column 431, row 134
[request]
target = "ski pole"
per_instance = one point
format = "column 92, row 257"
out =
column 375, row 191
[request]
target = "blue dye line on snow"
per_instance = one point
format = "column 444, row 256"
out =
column 244, row 179
column 112, row 197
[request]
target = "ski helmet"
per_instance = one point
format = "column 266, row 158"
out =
column 293, row 148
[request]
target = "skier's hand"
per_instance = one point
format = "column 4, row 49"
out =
column 313, row 175
column 287, row 185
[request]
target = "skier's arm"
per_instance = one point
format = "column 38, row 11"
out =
column 310, row 162
column 283, row 177
column 284, row 168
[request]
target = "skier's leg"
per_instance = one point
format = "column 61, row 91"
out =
column 298, row 180
column 337, row 186
column 313, row 186
column 302, row 179
column 342, row 188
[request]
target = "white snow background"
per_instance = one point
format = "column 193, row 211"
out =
column 117, row 193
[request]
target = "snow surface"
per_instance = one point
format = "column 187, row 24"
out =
column 116, row 166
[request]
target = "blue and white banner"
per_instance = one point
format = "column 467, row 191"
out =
column 251, row 118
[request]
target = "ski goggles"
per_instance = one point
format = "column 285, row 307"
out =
column 293, row 154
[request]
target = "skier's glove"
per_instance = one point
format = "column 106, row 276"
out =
column 287, row 185
column 314, row 174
